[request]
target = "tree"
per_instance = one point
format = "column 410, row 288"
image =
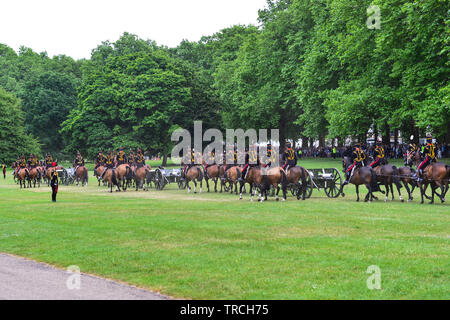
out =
column 12, row 134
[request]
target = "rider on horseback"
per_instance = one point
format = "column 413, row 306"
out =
column 131, row 157
column 412, row 148
column 48, row 161
column 430, row 156
column 251, row 161
column 109, row 163
column 100, row 160
column 211, row 160
column 190, row 161
column 121, row 157
column 358, row 157
column 140, row 160
column 79, row 161
column 32, row 161
column 231, row 161
column 379, row 153
column 289, row 157
column 22, row 164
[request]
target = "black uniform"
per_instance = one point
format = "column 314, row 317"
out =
column 54, row 185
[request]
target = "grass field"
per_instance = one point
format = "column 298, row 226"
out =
column 213, row 246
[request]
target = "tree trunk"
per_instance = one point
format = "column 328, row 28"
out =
column 164, row 163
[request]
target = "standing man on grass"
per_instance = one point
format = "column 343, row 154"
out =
column 4, row 170
column 54, row 185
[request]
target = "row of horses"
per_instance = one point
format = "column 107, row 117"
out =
column 261, row 179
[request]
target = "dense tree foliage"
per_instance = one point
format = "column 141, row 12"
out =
column 12, row 134
column 315, row 69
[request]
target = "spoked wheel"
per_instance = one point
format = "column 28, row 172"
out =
column 333, row 185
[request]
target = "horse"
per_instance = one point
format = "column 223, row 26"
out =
column 361, row 176
column 253, row 175
column 140, row 176
column 48, row 174
column 233, row 176
column 98, row 173
column 123, row 174
column 437, row 175
column 294, row 175
column 81, row 173
column 387, row 174
column 405, row 175
column 194, row 174
column 23, row 175
column 111, row 179
column 35, row 176
column 272, row 177
column 213, row 173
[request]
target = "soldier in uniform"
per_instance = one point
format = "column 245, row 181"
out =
column 358, row 157
column 139, row 159
column 131, row 157
column 251, row 161
column 48, row 161
column 99, row 160
column 54, row 185
column 210, row 160
column 429, row 152
column 121, row 157
column 189, row 161
column 109, row 163
column 4, row 170
column 379, row 154
column 289, row 157
column 79, row 161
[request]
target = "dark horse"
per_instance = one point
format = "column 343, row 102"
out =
column 388, row 175
column 436, row 174
column 81, row 173
column 363, row 175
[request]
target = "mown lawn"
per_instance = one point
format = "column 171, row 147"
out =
column 215, row 246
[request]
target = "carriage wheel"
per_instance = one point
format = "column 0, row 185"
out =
column 333, row 186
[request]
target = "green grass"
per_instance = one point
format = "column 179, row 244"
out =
column 215, row 246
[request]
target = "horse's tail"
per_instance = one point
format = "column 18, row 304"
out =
column 238, row 173
column 447, row 168
column 395, row 177
column 374, row 184
column 200, row 174
column 129, row 173
column 114, row 178
column 85, row 175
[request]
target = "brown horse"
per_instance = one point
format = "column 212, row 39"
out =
column 252, row 177
column 437, row 175
column 140, row 176
column 405, row 175
column 213, row 173
column 111, row 179
column 232, row 177
column 272, row 177
column 23, row 175
column 294, row 176
column 123, row 174
column 81, row 173
column 194, row 174
column 34, row 176
column 98, row 173
column 387, row 174
column 362, row 176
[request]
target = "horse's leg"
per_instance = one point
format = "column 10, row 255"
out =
column 188, row 186
column 195, row 186
column 392, row 191
column 215, row 185
column 277, row 198
column 386, row 186
column 432, row 192
column 405, row 184
column 357, row 193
